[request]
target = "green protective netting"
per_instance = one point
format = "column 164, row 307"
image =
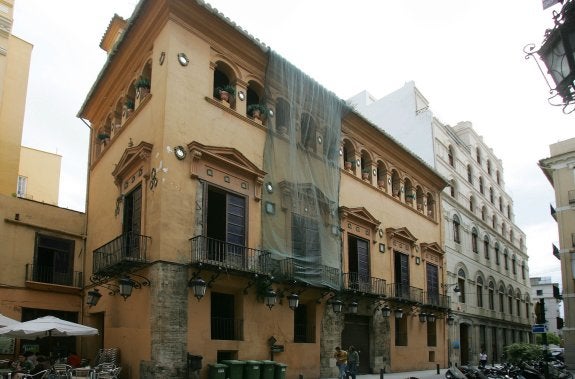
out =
column 301, row 157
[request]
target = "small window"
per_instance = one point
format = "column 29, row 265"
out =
column 469, row 174
column 22, row 185
column 456, row 232
column 479, row 292
column 450, row 156
column 401, row 331
column 489, row 167
column 478, row 155
column 461, row 285
column 486, row 247
column 431, row 334
column 481, row 189
column 539, row 292
column 474, row 243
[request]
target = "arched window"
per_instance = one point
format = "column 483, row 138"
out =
column 430, row 206
column 461, row 285
column 419, row 198
column 478, row 155
column 501, row 203
column 481, row 189
column 514, row 264
column 484, row 213
column 523, row 270
column 469, row 174
column 395, row 183
column 382, row 176
column 518, row 302
column 498, row 177
column 510, row 300
column 471, row 203
column 489, row 167
column 282, row 116
column 479, row 291
column 491, row 296
column 453, row 188
column 223, row 82
column 486, row 246
column 409, row 191
column 509, row 211
column 450, row 156
column 308, row 132
column 491, row 195
column 501, row 298
column 497, row 258
column 506, row 259
column 474, row 241
column 456, row 225
column 494, row 221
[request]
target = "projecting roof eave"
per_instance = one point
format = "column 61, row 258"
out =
column 443, row 182
column 547, row 171
column 130, row 23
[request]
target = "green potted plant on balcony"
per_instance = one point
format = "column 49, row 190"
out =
column 257, row 110
column 226, row 92
column 143, row 86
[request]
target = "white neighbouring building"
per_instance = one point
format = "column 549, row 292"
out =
column 544, row 288
column 486, row 255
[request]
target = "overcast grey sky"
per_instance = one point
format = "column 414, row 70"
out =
column 465, row 56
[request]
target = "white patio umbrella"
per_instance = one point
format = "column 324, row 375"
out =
column 48, row 326
column 5, row 321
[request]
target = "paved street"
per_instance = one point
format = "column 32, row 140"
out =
column 425, row 374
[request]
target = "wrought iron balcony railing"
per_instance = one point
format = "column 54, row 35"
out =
column 225, row 328
column 307, row 272
column 402, row 292
column 354, row 281
column 435, row 300
column 304, row 333
column 124, row 253
column 228, row 255
column 53, row 275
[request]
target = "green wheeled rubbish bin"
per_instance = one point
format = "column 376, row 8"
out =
column 280, row 372
column 252, row 370
column 217, row 371
column 235, row 368
column 267, row 369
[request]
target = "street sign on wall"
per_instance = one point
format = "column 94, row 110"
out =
column 539, row 328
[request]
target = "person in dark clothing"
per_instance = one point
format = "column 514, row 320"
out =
column 352, row 362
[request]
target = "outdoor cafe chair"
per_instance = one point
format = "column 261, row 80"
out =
column 112, row 374
column 61, row 371
column 39, row 375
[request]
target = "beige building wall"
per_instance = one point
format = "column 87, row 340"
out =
column 41, row 171
column 14, row 87
column 559, row 170
column 33, row 278
column 223, row 151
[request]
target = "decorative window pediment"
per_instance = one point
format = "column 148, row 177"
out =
column 401, row 233
column 227, row 159
column 433, row 248
column 355, row 219
column 359, row 214
column 401, row 239
column 134, row 161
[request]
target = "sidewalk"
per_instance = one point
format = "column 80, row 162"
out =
column 424, row 374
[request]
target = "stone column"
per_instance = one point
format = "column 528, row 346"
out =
column 169, row 322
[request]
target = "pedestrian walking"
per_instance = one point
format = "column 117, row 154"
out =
column 341, row 361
